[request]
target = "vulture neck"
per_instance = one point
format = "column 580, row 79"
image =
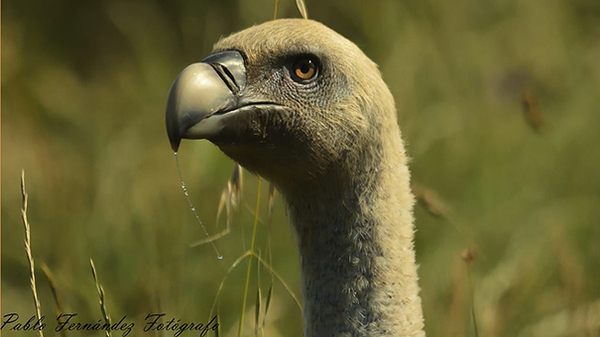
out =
column 355, row 233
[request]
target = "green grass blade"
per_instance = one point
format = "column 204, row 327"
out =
column 249, row 269
column 267, row 304
column 231, row 268
column 257, row 311
column 274, row 273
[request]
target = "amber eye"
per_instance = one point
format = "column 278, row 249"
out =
column 304, row 70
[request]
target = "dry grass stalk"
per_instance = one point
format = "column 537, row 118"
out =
column 531, row 108
column 430, row 201
column 455, row 322
column 54, row 289
column 302, row 8
column 27, row 227
column 101, row 299
column 276, row 9
column 271, row 203
column 433, row 204
column 231, row 198
column 582, row 320
column 158, row 306
column 469, row 257
column 269, row 221
column 571, row 271
column 235, row 186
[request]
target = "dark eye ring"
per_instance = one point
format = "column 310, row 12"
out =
column 304, row 69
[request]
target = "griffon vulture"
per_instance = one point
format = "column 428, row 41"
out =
column 303, row 107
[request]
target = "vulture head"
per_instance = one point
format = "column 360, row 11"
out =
column 303, row 107
column 290, row 100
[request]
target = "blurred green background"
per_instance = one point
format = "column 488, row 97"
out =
column 499, row 103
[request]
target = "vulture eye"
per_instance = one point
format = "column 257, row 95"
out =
column 304, row 69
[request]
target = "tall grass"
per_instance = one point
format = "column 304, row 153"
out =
column 249, row 268
column 101, row 298
column 28, row 252
column 83, row 90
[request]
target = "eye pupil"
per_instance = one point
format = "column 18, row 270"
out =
column 305, row 66
column 304, row 69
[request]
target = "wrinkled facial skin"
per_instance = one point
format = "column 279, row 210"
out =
column 302, row 133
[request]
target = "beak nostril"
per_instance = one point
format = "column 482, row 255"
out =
column 231, row 77
column 226, row 77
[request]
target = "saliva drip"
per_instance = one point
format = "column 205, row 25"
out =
column 193, row 208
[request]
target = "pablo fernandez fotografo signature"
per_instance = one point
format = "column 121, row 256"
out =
column 68, row 322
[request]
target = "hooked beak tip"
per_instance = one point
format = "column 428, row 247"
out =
column 175, row 144
column 173, row 127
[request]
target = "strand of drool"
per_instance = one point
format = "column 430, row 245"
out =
column 192, row 208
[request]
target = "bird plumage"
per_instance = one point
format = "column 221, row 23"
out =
column 332, row 146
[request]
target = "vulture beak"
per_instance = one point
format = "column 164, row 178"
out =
column 203, row 94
